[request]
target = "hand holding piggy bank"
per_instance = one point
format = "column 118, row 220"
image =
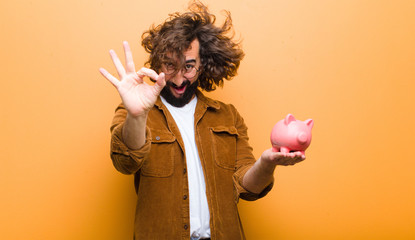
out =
column 290, row 134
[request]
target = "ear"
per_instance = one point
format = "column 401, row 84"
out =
column 289, row 118
column 309, row 123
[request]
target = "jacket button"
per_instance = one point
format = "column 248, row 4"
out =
column 157, row 138
column 184, row 171
column 185, row 227
column 184, row 197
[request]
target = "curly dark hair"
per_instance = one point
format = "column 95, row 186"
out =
column 220, row 55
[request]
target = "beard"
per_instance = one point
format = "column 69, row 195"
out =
column 185, row 98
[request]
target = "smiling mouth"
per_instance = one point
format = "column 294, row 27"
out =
column 179, row 90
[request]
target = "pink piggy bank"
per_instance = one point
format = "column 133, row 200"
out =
column 290, row 134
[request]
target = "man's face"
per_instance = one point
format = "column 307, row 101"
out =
column 181, row 85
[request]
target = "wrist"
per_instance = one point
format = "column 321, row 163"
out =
column 137, row 117
column 134, row 131
column 266, row 166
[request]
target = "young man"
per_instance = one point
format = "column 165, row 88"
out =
column 189, row 154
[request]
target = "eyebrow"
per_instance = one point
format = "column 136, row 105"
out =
column 191, row 61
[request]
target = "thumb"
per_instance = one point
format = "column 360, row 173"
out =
column 160, row 83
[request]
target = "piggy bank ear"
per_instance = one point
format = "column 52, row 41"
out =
column 309, row 123
column 289, row 118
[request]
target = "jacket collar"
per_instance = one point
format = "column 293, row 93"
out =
column 207, row 101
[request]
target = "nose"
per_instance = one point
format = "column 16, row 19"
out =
column 178, row 79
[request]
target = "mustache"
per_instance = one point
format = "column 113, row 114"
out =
column 185, row 83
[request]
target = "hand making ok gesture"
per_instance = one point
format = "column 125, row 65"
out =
column 137, row 96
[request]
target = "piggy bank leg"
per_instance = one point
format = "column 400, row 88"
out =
column 284, row 150
column 275, row 149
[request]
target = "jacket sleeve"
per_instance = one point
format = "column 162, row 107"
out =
column 126, row 160
column 245, row 160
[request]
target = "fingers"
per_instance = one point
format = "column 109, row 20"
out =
column 129, row 73
column 108, row 76
column 295, row 159
column 129, row 63
column 117, row 63
column 160, row 80
column 160, row 83
column 147, row 72
column 286, row 159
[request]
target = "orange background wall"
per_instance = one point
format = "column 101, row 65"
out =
column 349, row 65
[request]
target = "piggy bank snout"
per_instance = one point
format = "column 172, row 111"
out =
column 302, row 138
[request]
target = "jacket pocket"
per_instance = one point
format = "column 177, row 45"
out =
column 160, row 162
column 224, row 146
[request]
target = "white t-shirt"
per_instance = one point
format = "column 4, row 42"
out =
column 199, row 210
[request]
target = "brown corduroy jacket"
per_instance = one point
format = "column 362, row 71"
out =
column 159, row 167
